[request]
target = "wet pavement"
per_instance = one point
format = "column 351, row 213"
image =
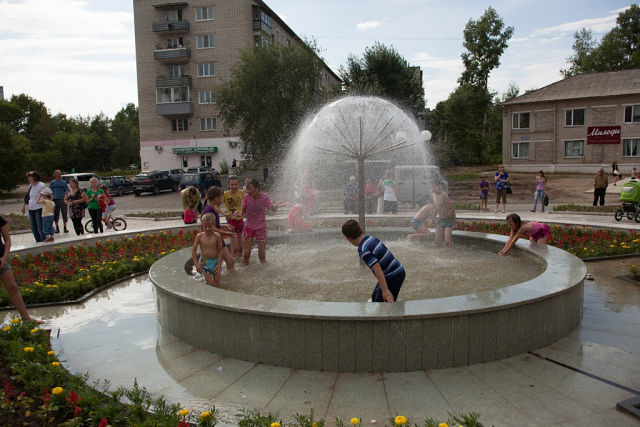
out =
column 576, row 381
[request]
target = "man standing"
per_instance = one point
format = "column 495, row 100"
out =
column 351, row 196
column 59, row 188
column 600, row 187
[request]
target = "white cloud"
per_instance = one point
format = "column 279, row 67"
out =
column 447, row 65
column 367, row 25
column 597, row 25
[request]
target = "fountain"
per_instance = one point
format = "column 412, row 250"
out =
column 290, row 314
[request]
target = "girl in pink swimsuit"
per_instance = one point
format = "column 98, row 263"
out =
column 536, row 231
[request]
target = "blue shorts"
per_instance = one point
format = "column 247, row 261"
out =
column 416, row 223
column 445, row 222
column 209, row 265
column 394, row 284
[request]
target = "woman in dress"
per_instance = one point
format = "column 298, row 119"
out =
column 35, row 208
column 541, row 184
column 77, row 206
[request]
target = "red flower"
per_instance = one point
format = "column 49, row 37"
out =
column 183, row 424
column 103, row 422
column 46, row 397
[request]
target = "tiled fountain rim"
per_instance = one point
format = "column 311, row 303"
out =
column 563, row 272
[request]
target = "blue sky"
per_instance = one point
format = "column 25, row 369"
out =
column 78, row 57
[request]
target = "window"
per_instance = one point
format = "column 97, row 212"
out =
column 173, row 15
column 179, row 125
column 574, row 117
column 632, row 114
column 175, row 71
column 207, row 123
column 631, row 147
column 520, row 150
column 185, row 161
column 207, row 97
column 166, row 95
column 204, row 13
column 205, row 41
column 175, row 42
column 205, row 70
column 574, row 148
column 521, row 120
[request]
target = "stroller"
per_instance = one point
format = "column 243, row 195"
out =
column 630, row 198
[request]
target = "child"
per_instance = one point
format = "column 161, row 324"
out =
column 48, row 210
column 484, row 194
column 232, row 199
column 385, row 267
column 210, row 244
column 536, row 231
column 214, row 200
column 541, row 183
column 446, row 215
column 254, row 206
column 296, row 217
column 190, row 216
column 424, row 218
column 109, row 205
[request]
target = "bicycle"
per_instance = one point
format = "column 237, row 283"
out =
column 118, row 224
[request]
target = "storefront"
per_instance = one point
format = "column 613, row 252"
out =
column 195, row 156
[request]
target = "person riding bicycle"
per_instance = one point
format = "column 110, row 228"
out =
column 107, row 204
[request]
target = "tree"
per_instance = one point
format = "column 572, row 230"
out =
column 13, row 158
column 485, row 41
column 618, row 49
column 271, row 88
column 126, row 132
column 382, row 71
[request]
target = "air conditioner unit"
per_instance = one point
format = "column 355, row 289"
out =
column 158, row 148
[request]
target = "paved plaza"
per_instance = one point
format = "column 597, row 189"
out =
column 576, row 381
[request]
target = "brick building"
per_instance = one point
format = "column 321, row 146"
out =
column 578, row 124
column 184, row 51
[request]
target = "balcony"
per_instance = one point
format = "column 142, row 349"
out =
column 162, row 81
column 173, row 27
column 169, row 56
column 175, row 109
column 169, row 3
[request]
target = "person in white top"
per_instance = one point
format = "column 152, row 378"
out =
column 35, row 208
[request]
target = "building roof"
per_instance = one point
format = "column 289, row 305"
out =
column 592, row 85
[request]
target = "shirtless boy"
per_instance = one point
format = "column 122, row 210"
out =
column 422, row 220
column 210, row 244
column 446, row 215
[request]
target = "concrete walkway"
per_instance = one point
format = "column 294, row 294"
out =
column 576, row 381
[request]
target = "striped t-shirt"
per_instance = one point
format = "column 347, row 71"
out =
column 373, row 251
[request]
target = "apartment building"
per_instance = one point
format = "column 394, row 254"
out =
column 184, row 51
column 578, row 124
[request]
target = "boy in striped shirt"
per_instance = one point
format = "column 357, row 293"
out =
column 385, row 267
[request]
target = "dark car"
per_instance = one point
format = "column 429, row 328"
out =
column 198, row 169
column 176, row 174
column 201, row 180
column 118, row 185
column 153, row 182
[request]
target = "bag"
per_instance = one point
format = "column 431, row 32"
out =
column 546, row 200
column 26, row 197
column 509, row 190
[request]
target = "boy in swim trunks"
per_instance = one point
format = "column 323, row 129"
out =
column 232, row 200
column 446, row 215
column 424, row 218
column 210, row 244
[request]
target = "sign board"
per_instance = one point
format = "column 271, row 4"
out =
column 194, row 150
column 603, row 135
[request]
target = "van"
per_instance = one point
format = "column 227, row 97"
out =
column 201, row 180
column 83, row 179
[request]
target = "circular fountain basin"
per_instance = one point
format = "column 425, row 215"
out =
column 419, row 334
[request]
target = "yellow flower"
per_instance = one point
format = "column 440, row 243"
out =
column 443, row 425
column 400, row 420
column 51, row 353
column 205, row 415
column 183, row 412
column 79, row 279
column 56, row 364
column 27, row 414
column 14, row 321
column 355, row 421
column 612, row 246
column 34, row 331
column 28, row 349
column 57, row 390
column 88, row 277
column 6, row 328
column 275, row 424
column 162, row 253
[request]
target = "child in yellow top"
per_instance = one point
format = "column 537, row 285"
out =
column 210, row 244
column 48, row 208
column 232, row 200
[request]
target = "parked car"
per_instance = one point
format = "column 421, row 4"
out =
column 199, row 169
column 176, row 174
column 118, row 185
column 83, row 179
column 201, row 180
column 153, row 182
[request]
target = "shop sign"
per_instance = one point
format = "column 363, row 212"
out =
column 603, row 135
column 194, row 150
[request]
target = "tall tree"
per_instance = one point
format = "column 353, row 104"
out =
column 13, row 157
column 269, row 91
column 384, row 72
column 617, row 50
column 126, row 132
column 485, row 41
